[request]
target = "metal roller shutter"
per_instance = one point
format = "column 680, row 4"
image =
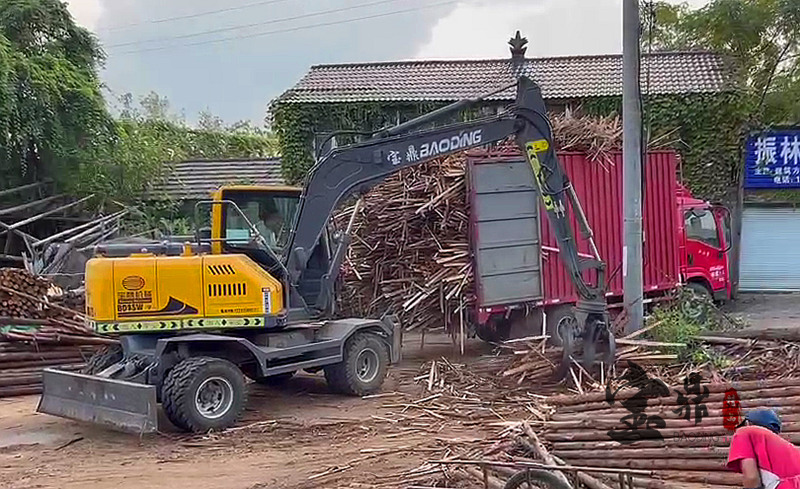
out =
column 770, row 249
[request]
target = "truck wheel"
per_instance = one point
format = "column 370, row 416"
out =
column 102, row 359
column 496, row 329
column 363, row 369
column 559, row 320
column 202, row 393
column 696, row 302
column 534, row 479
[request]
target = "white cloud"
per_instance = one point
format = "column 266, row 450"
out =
column 480, row 29
column 86, row 12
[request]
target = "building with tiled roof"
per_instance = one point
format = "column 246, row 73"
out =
column 686, row 89
column 198, row 179
column 561, row 78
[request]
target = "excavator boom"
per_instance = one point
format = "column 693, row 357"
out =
column 358, row 167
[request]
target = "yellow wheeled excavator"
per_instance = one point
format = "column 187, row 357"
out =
column 254, row 295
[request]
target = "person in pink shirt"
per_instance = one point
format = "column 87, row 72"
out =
column 765, row 460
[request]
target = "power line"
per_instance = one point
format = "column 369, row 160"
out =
column 247, row 26
column 192, row 16
column 292, row 29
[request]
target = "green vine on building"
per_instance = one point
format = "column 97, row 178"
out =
column 709, row 128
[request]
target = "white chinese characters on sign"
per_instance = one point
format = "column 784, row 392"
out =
column 790, row 150
column 394, row 158
column 412, row 154
column 778, row 157
column 766, row 147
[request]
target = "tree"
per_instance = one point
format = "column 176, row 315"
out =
column 761, row 37
column 51, row 107
column 207, row 121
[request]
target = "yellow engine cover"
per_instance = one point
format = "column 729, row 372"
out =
column 158, row 293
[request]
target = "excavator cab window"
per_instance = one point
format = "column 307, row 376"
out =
column 272, row 213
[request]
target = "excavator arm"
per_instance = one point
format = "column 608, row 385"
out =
column 358, row 167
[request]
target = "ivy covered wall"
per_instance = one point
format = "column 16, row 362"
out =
column 709, row 126
column 710, row 130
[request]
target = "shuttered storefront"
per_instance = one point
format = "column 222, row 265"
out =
column 770, row 256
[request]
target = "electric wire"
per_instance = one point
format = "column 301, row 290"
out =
column 190, row 16
column 287, row 30
column 248, row 26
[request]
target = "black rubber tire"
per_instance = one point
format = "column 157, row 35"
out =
column 702, row 297
column 537, row 478
column 343, row 377
column 180, row 389
column 554, row 316
column 496, row 329
column 102, row 359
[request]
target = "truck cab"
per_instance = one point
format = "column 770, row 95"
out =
column 705, row 237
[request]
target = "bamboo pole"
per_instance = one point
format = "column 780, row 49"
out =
column 713, row 387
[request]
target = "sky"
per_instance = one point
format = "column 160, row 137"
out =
column 232, row 58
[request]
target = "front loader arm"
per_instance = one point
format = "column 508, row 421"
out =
column 358, row 167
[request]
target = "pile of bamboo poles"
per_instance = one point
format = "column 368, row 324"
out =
column 22, row 306
column 37, row 330
column 410, row 249
column 410, row 253
column 687, row 452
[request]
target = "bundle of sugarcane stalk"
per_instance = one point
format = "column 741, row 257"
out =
column 690, row 446
column 38, row 331
column 410, row 250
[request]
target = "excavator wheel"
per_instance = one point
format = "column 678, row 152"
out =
column 203, row 393
column 366, row 360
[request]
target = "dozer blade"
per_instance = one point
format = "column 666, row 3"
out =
column 121, row 405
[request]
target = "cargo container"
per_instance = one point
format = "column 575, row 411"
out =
column 520, row 281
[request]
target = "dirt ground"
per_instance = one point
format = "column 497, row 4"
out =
column 767, row 311
column 298, row 436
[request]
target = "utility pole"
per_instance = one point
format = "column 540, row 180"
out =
column 632, row 167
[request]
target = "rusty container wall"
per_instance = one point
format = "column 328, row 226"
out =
column 599, row 187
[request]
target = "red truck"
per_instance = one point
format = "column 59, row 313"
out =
column 520, row 282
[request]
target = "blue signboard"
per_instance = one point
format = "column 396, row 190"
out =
column 773, row 159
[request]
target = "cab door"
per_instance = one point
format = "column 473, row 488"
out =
column 705, row 250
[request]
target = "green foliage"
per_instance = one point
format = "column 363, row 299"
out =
column 296, row 124
column 761, row 37
column 158, row 218
column 680, row 320
column 710, row 128
column 51, row 108
column 149, row 135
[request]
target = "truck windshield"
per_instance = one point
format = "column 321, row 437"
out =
column 272, row 213
column 701, row 226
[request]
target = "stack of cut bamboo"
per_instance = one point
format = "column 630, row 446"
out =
column 410, row 252
column 37, row 331
column 17, row 305
column 687, row 452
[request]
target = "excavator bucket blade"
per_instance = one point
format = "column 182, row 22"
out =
column 117, row 404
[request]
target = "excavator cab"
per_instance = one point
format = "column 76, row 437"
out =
column 271, row 210
column 258, row 221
